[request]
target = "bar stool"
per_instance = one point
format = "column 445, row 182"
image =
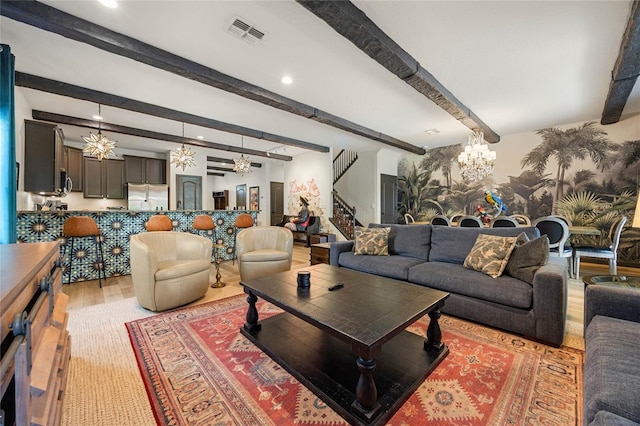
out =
column 244, row 220
column 159, row 222
column 204, row 222
column 80, row 227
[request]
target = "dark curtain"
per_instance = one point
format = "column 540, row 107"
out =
column 8, row 164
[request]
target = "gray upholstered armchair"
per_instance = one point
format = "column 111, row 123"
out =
column 263, row 250
column 169, row 269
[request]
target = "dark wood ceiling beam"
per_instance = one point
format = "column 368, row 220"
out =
column 149, row 134
column 626, row 69
column 220, row 169
column 230, row 160
column 65, row 89
column 215, row 174
column 350, row 22
column 50, row 19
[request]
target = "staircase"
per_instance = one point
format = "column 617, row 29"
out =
column 344, row 215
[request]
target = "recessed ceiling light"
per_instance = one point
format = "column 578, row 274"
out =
column 97, row 117
column 287, row 79
column 200, row 137
column 432, row 131
column 112, row 4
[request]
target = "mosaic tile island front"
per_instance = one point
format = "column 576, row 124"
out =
column 116, row 227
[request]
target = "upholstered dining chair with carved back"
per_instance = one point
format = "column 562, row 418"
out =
column 470, row 222
column 609, row 252
column 557, row 231
column 440, row 220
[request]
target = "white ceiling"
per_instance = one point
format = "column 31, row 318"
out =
column 518, row 65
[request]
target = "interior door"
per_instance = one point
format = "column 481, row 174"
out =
column 188, row 192
column 241, row 196
column 388, row 198
column 276, row 189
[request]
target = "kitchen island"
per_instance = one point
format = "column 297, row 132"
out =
column 116, row 227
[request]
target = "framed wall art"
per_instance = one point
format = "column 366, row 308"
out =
column 254, row 198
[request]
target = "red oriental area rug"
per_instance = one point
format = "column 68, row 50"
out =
column 199, row 370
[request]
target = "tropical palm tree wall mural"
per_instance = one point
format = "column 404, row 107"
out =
column 585, row 171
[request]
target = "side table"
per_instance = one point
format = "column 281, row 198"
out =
column 320, row 253
column 628, row 281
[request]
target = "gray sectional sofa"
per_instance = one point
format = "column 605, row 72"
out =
column 612, row 363
column 434, row 257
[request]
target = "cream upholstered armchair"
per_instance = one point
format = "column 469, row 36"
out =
column 169, row 269
column 263, row 250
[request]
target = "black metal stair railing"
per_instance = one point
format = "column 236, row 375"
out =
column 342, row 162
column 344, row 217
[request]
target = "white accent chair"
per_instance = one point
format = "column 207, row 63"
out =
column 263, row 250
column 169, row 269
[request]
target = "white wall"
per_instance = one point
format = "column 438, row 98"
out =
column 258, row 177
column 309, row 175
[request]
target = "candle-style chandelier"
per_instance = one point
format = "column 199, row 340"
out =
column 242, row 165
column 98, row 145
column 183, row 156
column 476, row 161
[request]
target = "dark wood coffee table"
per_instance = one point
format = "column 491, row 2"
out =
column 332, row 341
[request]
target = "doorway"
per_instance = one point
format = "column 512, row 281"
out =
column 241, row 196
column 388, row 198
column 188, row 192
column 277, row 202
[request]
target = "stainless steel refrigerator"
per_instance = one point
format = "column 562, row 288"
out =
column 148, row 197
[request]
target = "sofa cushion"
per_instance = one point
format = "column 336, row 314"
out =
column 169, row 269
column 393, row 266
column 372, row 241
column 457, row 279
column 527, row 257
column 452, row 245
column 605, row 418
column 408, row 240
column 490, row 254
column 612, row 370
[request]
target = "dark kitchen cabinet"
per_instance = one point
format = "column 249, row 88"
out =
column 145, row 170
column 103, row 179
column 74, row 161
column 43, row 158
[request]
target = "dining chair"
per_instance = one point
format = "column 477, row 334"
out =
column 602, row 252
column 441, row 220
column 504, row 222
column 470, row 222
column 455, row 218
column 522, row 219
column 558, row 233
column 408, row 218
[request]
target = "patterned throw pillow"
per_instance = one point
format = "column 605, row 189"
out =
column 490, row 254
column 527, row 257
column 372, row 241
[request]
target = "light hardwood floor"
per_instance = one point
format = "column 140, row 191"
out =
column 88, row 293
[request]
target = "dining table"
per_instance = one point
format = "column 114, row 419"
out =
column 584, row 230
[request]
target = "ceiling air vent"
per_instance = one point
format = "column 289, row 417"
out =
column 245, row 31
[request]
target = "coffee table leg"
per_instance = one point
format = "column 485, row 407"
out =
column 434, row 335
column 366, row 403
column 252, row 314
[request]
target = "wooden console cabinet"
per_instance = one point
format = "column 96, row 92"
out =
column 320, row 253
column 34, row 330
